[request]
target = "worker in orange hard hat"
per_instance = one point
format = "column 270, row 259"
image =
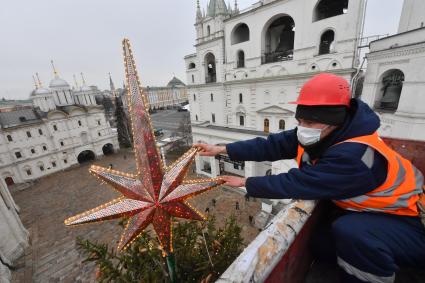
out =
column 377, row 194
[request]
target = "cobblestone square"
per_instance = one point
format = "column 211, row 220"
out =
column 52, row 255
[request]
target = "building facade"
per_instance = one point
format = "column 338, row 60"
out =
column 174, row 94
column 64, row 127
column 249, row 64
column 395, row 82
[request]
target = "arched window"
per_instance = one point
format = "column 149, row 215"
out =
column 196, row 117
column 329, row 8
column 9, row 138
column 278, row 40
column 193, row 78
column 281, row 124
column 240, row 34
column 240, row 98
column 390, row 90
column 208, row 30
column 192, row 66
column 210, row 68
column 241, row 59
column 326, row 42
column 266, row 125
column 194, row 97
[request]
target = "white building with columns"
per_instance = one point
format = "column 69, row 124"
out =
column 249, row 64
column 64, row 127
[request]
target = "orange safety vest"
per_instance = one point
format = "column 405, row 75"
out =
column 400, row 194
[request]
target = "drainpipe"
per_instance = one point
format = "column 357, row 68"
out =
column 358, row 51
column 355, row 78
column 360, row 34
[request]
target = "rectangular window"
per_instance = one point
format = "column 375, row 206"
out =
column 44, row 147
column 32, row 150
column 18, row 154
column 28, row 172
column 9, row 138
column 41, row 168
column 55, row 127
column 53, row 164
column 40, row 132
column 62, row 144
column 99, row 134
column 98, row 122
column 241, row 120
column 28, row 134
column 65, row 161
column 79, row 123
column 212, row 97
column 213, row 117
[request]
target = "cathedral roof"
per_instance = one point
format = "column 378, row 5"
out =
column 217, row 7
column 85, row 88
column 58, row 82
column 40, row 91
column 175, row 82
column 19, row 117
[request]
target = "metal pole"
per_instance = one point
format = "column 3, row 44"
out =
column 171, row 263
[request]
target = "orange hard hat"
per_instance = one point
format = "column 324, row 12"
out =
column 325, row 89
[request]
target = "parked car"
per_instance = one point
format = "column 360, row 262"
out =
column 184, row 108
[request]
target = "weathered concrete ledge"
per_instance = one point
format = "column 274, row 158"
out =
column 258, row 260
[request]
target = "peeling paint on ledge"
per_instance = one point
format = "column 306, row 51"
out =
column 258, row 260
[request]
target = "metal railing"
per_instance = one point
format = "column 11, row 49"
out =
column 211, row 79
column 276, row 57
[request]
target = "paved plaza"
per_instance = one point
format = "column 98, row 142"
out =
column 52, row 255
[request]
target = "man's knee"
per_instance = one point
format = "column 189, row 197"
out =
column 348, row 228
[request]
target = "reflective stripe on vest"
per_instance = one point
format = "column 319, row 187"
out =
column 400, row 192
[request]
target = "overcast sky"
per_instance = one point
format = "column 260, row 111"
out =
column 85, row 36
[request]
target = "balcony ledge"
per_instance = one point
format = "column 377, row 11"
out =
column 258, row 260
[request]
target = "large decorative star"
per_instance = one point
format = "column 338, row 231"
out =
column 156, row 193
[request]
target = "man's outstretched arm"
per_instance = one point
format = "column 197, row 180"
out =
column 276, row 147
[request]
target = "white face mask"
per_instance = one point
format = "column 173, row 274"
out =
column 309, row 136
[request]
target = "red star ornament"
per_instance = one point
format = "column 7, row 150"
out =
column 155, row 194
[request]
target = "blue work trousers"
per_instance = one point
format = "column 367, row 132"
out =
column 370, row 247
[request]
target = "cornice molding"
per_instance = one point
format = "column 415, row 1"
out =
column 397, row 52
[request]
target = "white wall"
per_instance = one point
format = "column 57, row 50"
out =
column 404, row 52
column 412, row 15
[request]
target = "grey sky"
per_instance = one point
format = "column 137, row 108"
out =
column 85, row 36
